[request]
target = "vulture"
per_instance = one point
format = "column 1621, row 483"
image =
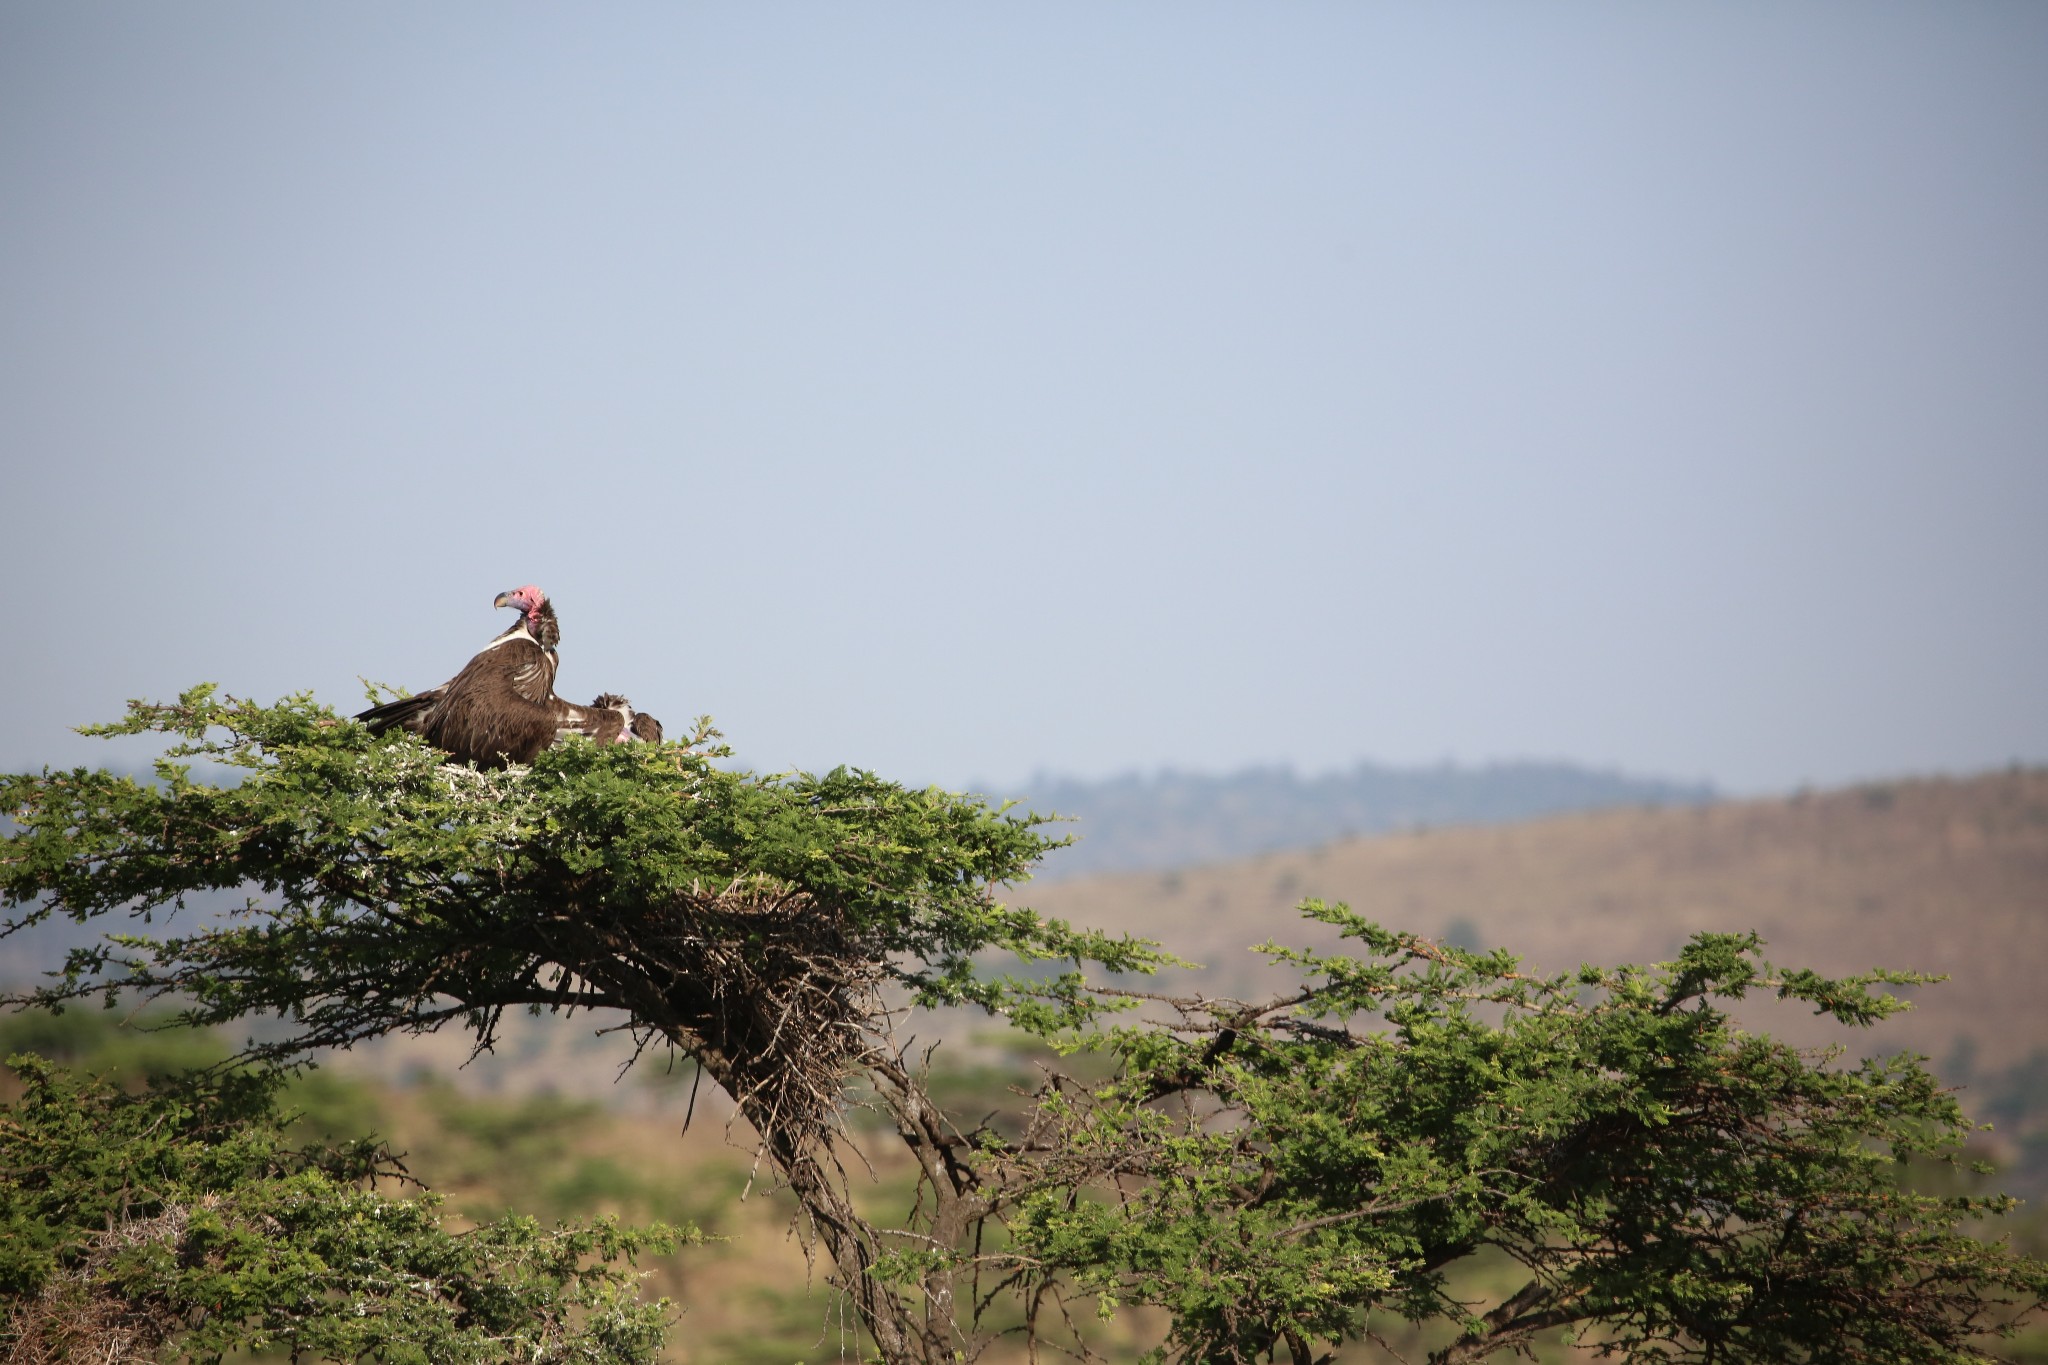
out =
column 502, row 708
column 620, row 721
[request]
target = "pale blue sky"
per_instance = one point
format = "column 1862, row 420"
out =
column 962, row 391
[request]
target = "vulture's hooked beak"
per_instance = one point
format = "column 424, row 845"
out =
column 508, row 599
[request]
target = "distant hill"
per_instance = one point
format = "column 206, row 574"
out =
column 1174, row 819
column 1947, row 876
column 1937, row 875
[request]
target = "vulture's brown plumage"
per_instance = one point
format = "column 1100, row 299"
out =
column 502, row 708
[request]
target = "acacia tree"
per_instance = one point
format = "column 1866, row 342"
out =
column 1670, row 1187
column 1279, row 1176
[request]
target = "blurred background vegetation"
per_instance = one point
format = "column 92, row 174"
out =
column 750, row 1296
column 1946, row 875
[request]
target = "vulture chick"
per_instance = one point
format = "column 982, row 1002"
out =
column 613, row 719
column 501, row 708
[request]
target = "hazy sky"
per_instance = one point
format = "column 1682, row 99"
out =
column 965, row 390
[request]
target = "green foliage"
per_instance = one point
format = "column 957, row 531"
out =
column 747, row 921
column 154, row 1047
column 182, row 1214
column 150, row 1046
column 1673, row 1186
column 387, row 883
column 1271, row 1175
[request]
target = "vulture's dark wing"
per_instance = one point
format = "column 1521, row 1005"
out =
column 500, row 708
column 407, row 713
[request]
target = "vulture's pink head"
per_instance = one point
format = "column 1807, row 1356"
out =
column 528, row 599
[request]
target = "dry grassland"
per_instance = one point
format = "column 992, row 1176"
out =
column 1934, row 875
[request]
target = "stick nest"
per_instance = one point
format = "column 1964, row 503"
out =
column 78, row 1318
column 773, row 990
